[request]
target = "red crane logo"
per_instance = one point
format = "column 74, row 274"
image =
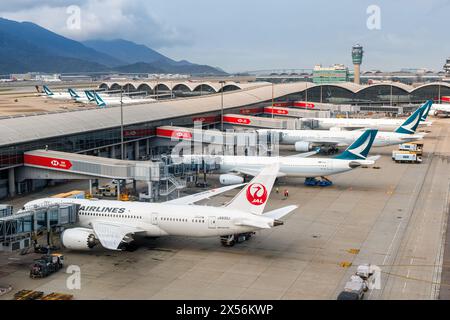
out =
column 257, row 194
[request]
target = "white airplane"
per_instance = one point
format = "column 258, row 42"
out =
column 56, row 95
column 112, row 223
column 115, row 101
column 440, row 109
column 361, row 123
column 88, row 98
column 232, row 167
column 307, row 140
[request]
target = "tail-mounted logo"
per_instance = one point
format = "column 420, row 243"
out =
column 257, row 194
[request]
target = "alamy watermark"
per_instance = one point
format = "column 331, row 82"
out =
column 374, row 19
column 73, row 21
column 73, row 281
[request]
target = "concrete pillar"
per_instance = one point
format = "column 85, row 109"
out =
column 136, row 150
column 12, row 182
column 90, row 187
column 149, row 190
column 113, row 152
column 356, row 71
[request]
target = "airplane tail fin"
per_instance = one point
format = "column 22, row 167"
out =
column 47, row 90
column 427, row 107
column 410, row 125
column 253, row 197
column 89, row 95
column 99, row 100
column 73, row 94
column 360, row 148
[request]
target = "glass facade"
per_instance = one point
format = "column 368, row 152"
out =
column 372, row 95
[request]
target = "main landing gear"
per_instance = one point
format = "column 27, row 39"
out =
column 231, row 240
column 329, row 150
column 322, row 182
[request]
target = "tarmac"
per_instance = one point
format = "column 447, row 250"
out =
column 394, row 217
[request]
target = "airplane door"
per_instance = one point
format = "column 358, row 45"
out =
column 211, row 222
column 329, row 165
column 154, row 218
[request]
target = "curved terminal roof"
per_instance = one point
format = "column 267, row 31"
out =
column 30, row 128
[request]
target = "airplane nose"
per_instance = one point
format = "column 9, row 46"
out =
column 354, row 164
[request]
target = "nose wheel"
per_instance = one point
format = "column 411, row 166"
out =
column 231, row 240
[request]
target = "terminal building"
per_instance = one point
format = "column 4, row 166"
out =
column 97, row 132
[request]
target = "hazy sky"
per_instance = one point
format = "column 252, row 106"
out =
column 242, row 35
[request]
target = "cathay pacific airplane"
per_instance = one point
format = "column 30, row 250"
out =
column 115, row 101
column 113, row 223
column 307, row 140
column 88, row 98
column 361, row 123
column 233, row 167
column 56, row 95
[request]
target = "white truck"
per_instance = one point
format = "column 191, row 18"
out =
column 412, row 147
column 400, row 156
column 359, row 283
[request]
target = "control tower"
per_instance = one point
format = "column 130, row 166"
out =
column 357, row 55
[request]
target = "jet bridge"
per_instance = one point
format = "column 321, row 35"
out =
column 48, row 164
column 17, row 230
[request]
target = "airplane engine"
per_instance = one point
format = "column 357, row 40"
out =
column 229, row 179
column 302, row 146
column 78, row 239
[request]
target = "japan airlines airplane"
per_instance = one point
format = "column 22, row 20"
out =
column 115, row 101
column 361, row 123
column 296, row 166
column 56, row 95
column 307, row 140
column 112, row 223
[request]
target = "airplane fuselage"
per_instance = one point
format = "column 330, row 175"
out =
column 380, row 124
column 289, row 166
column 344, row 137
column 159, row 219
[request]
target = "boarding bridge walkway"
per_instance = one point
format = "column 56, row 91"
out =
column 17, row 230
column 49, row 164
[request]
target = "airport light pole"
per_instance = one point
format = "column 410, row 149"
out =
column 439, row 93
column 273, row 87
column 306, row 91
column 121, row 125
column 221, row 98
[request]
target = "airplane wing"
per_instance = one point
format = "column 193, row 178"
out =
column 349, row 128
column 111, row 234
column 305, row 154
column 203, row 195
column 253, row 172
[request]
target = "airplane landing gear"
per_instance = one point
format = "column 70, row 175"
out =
column 231, row 240
column 322, row 182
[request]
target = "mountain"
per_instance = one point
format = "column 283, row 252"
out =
column 164, row 67
column 127, row 51
column 53, row 43
column 20, row 56
column 141, row 58
column 27, row 47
